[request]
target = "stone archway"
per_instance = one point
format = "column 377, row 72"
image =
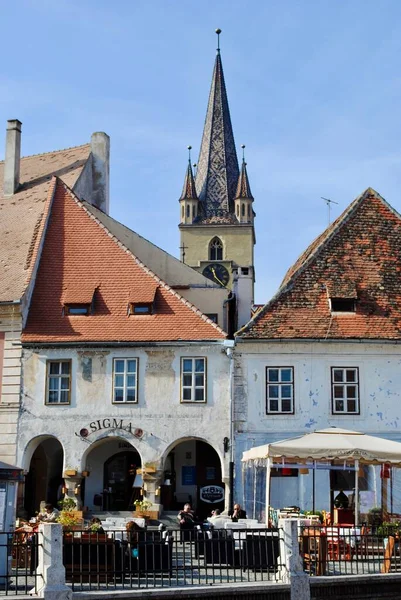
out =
column 44, row 479
column 111, row 463
column 191, row 466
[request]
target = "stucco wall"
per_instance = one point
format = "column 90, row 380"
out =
column 10, row 325
column 379, row 391
column 159, row 412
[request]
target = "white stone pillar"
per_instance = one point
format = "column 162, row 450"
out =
column 294, row 572
column 50, row 564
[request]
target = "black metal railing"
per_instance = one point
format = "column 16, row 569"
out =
column 340, row 550
column 18, row 563
column 152, row 558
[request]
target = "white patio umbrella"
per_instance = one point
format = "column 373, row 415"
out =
column 324, row 446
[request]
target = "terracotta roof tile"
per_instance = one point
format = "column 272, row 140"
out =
column 359, row 254
column 21, row 215
column 145, row 295
column 77, row 248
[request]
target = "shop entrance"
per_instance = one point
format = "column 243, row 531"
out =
column 119, row 479
column 112, row 463
column 193, row 474
column 44, row 479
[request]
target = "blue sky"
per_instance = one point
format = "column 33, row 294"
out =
column 314, row 89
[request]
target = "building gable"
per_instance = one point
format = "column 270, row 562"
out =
column 77, row 250
column 356, row 260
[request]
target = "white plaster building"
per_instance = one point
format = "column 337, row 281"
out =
column 122, row 376
column 325, row 352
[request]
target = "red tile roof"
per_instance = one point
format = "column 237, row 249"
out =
column 22, row 216
column 358, row 255
column 79, row 249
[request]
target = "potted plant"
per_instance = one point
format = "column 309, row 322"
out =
column 142, row 507
column 69, row 520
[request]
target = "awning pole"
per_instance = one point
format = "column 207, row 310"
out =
column 356, row 500
column 267, row 499
column 314, row 486
column 254, row 491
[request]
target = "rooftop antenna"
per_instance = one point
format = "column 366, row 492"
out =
column 243, row 152
column 218, row 31
column 329, row 203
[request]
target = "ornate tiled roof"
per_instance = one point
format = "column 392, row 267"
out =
column 243, row 187
column 218, row 171
column 359, row 257
column 189, row 190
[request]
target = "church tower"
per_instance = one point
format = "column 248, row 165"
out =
column 216, row 213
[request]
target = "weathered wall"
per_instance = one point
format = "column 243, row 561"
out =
column 379, row 390
column 10, row 364
column 159, row 412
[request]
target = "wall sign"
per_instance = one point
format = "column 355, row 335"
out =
column 212, row 494
column 109, row 424
column 188, row 475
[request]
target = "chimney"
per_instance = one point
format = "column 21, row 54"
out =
column 13, row 156
column 100, row 147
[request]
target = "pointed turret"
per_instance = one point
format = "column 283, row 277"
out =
column 218, row 170
column 243, row 196
column 189, row 189
column 189, row 200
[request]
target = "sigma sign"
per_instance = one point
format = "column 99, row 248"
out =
column 212, row 494
column 109, row 424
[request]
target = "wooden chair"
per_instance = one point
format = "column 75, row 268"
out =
column 337, row 546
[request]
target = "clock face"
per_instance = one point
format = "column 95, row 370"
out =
column 217, row 273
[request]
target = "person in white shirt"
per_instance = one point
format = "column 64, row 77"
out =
column 50, row 515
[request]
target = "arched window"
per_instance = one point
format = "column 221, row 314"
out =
column 249, row 210
column 237, row 210
column 216, row 249
column 183, row 212
column 193, row 212
column 243, row 209
column 188, row 211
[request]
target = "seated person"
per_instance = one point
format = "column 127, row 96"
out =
column 186, row 517
column 133, row 531
column 95, row 526
column 50, row 515
column 238, row 513
column 217, row 520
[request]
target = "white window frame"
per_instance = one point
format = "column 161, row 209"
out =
column 192, row 386
column 345, row 397
column 279, row 384
column 60, row 376
column 125, row 374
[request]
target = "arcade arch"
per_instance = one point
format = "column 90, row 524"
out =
column 191, row 466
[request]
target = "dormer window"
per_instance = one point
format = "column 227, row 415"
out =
column 142, row 301
column 141, row 309
column 343, row 305
column 79, row 301
column 77, row 309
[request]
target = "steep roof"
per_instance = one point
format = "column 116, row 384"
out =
column 170, row 269
column 189, row 190
column 243, row 187
column 217, row 173
column 79, row 248
column 359, row 255
column 22, row 215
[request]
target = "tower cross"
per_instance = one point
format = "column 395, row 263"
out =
column 183, row 248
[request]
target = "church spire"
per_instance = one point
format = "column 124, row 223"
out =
column 189, row 190
column 243, row 187
column 218, row 171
